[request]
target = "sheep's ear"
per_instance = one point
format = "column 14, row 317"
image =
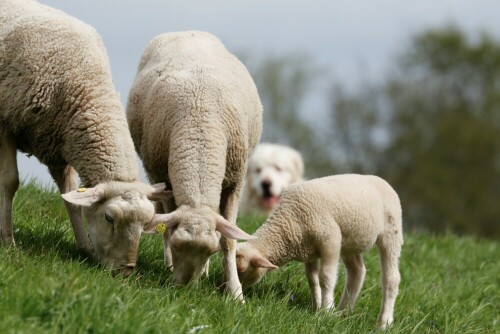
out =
column 84, row 196
column 160, row 192
column 161, row 222
column 258, row 261
column 231, row 231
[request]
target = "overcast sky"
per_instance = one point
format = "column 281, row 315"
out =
column 343, row 37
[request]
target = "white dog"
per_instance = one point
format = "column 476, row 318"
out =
column 271, row 168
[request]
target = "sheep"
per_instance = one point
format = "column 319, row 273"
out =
column 321, row 220
column 195, row 117
column 59, row 104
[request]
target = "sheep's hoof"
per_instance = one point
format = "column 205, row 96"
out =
column 7, row 241
column 239, row 297
column 384, row 324
column 237, row 294
column 6, row 236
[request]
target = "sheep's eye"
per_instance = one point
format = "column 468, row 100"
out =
column 258, row 170
column 278, row 168
column 108, row 218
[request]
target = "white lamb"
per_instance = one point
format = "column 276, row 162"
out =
column 58, row 103
column 320, row 221
column 195, row 117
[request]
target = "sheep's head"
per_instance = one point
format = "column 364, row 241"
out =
column 251, row 264
column 116, row 214
column 193, row 236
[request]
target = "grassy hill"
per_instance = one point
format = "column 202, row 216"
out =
column 449, row 285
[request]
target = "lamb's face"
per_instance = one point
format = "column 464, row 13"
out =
column 251, row 265
column 115, row 228
column 192, row 241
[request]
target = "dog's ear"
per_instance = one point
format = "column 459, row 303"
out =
column 298, row 166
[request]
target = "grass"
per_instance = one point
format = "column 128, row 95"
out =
column 449, row 284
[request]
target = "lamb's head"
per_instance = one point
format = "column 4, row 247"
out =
column 116, row 214
column 251, row 264
column 193, row 235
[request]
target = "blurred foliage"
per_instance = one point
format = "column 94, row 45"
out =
column 445, row 121
column 430, row 127
column 284, row 84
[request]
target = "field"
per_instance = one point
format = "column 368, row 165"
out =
column 449, row 284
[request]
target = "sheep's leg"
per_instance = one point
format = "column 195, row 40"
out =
column 206, row 268
column 66, row 180
column 355, row 275
column 167, row 253
column 229, row 210
column 9, row 182
column 390, row 250
column 329, row 255
column 312, row 273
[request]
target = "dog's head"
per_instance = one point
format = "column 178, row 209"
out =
column 271, row 169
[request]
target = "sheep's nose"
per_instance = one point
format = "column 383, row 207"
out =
column 125, row 271
column 129, row 268
column 180, row 280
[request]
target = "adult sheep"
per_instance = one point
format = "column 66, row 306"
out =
column 195, row 117
column 320, row 221
column 58, row 103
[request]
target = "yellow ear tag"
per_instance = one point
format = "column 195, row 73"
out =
column 160, row 228
column 81, row 190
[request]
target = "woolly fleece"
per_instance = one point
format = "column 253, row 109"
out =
column 320, row 221
column 58, row 100
column 195, row 117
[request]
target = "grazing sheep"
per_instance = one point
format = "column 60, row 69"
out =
column 320, row 221
column 58, row 103
column 195, row 117
column 271, row 169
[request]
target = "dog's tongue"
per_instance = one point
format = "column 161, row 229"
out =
column 270, row 202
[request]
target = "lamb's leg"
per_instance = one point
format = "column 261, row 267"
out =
column 312, row 273
column 9, row 182
column 355, row 275
column 66, row 180
column 329, row 256
column 229, row 210
column 390, row 250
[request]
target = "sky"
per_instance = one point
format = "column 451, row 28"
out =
column 348, row 39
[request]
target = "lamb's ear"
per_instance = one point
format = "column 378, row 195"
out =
column 258, row 261
column 231, row 230
column 84, row 196
column 160, row 192
column 161, row 222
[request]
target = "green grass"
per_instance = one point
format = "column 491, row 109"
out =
column 449, row 285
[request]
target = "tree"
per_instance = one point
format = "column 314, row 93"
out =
column 284, row 84
column 439, row 110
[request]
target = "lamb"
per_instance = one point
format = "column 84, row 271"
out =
column 195, row 117
column 319, row 221
column 59, row 104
